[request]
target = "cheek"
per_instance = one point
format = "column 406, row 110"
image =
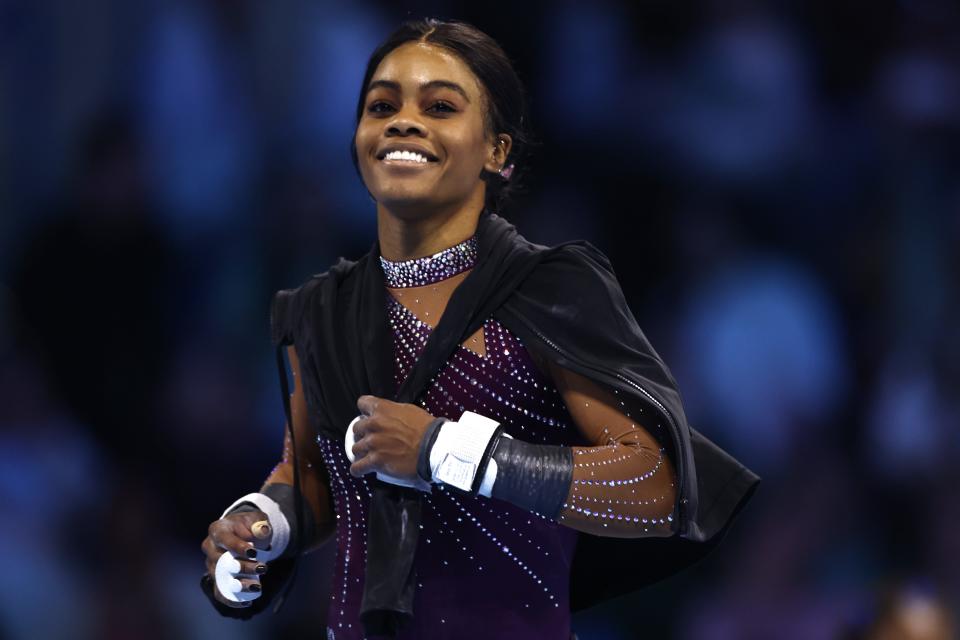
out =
column 362, row 141
column 471, row 153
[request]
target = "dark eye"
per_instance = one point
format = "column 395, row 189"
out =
column 375, row 107
column 447, row 107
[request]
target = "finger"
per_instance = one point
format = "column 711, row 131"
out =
column 228, row 541
column 250, row 569
column 258, row 543
column 230, row 603
column 212, row 555
column 361, row 428
column 368, row 404
column 359, row 450
column 365, row 445
column 232, row 587
column 232, row 525
column 241, row 526
column 245, row 569
column 364, row 466
column 251, row 585
column 261, row 529
column 371, row 444
column 210, row 549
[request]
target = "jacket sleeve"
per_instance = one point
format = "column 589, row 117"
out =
column 573, row 310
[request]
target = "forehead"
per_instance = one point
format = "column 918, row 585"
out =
column 417, row 63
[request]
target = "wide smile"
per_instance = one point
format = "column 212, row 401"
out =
column 406, row 158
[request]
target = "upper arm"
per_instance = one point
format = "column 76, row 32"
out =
column 298, row 402
column 315, row 480
column 601, row 415
column 299, row 412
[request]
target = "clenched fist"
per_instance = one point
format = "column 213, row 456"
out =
column 387, row 439
column 235, row 533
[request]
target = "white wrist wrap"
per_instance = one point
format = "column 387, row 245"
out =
column 458, row 450
column 278, row 524
column 490, row 476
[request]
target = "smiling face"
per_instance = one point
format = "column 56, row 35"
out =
column 422, row 141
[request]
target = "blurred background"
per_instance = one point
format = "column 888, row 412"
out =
column 776, row 186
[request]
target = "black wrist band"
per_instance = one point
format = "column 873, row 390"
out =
column 535, row 477
column 282, row 494
column 426, row 446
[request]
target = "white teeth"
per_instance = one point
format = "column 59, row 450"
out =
column 410, row 156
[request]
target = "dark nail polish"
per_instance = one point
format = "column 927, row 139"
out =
column 252, row 554
column 254, row 587
column 261, row 569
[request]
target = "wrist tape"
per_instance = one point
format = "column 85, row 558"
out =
column 460, row 453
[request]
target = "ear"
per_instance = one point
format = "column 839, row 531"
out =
column 499, row 150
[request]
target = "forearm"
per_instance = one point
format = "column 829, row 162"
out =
column 622, row 491
column 318, row 519
column 625, row 488
column 314, row 486
column 624, row 483
column 612, row 490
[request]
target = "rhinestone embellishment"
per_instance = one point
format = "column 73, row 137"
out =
column 429, row 269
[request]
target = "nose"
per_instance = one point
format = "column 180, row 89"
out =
column 404, row 128
column 404, row 124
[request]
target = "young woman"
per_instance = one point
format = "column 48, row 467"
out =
column 478, row 418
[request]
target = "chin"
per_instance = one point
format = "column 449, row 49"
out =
column 406, row 201
column 407, row 208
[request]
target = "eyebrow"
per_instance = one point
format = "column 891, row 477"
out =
column 447, row 84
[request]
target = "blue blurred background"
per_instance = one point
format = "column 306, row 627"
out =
column 777, row 188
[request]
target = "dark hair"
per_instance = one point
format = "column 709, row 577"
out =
column 504, row 100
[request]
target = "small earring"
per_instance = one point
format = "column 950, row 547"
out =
column 506, row 172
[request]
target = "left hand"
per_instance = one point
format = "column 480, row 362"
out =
column 388, row 438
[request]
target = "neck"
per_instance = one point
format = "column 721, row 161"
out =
column 406, row 234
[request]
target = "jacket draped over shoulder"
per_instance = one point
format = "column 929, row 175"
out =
column 565, row 303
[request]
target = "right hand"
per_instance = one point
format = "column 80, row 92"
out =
column 233, row 534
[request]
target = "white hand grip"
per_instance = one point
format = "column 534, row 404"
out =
column 227, row 584
column 349, row 439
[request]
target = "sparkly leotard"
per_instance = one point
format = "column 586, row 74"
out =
column 485, row 568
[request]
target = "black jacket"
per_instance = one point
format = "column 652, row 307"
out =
column 563, row 302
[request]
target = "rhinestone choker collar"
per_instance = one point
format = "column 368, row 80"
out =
column 430, row 269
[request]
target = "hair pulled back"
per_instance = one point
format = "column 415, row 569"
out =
column 504, row 100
